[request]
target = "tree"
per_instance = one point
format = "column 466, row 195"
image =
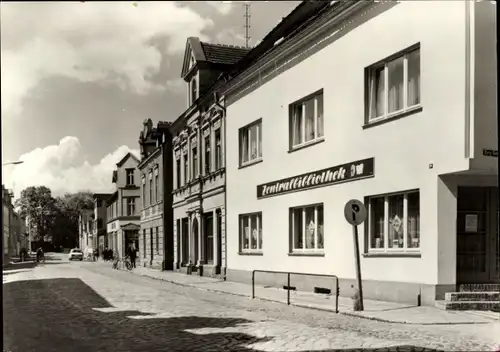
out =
column 38, row 205
column 69, row 207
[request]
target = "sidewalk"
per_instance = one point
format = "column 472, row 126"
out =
column 375, row 310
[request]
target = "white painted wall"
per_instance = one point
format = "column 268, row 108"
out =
column 485, row 69
column 403, row 149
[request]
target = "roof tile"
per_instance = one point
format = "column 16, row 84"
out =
column 223, row 54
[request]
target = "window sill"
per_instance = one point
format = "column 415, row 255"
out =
column 392, row 255
column 306, row 254
column 394, row 116
column 250, row 253
column 307, row 144
column 250, row 163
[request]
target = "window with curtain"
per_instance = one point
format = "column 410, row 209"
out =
column 218, row 150
column 251, row 232
column 394, row 222
column 186, row 169
column 394, row 85
column 178, row 173
column 250, row 142
column 306, row 120
column 207, row 154
column 307, row 228
column 194, row 155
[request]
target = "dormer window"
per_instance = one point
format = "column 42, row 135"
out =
column 194, row 90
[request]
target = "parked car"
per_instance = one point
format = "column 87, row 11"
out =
column 75, row 253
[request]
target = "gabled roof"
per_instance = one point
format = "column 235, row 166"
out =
column 223, row 54
column 215, row 54
column 125, row 158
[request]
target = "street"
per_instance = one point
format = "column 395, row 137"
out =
column 84, row 306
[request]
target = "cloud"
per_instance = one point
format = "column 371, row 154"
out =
column 64, row 168
column 105, row 42
column 230, row 36
column 223, row 7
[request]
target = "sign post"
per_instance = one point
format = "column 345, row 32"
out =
column 355, row 214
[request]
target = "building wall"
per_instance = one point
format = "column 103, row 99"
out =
column 409, row 152
column 203, row 192
column 152, row 212
column 484, row 69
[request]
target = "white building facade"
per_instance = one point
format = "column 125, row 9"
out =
column 390, row 103
column 198, row 161
column 123, row 207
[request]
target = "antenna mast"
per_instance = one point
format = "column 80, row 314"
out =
column 247, row 22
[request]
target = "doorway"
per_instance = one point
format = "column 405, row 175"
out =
column 209, row 237
column 477, row 235
column 196, row 240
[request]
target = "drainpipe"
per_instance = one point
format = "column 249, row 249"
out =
column 222, row 109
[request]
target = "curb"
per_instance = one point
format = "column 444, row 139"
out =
column 306, row 306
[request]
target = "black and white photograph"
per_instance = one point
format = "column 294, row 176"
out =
column 250, row 176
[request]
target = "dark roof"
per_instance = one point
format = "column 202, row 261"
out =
column 223, row 54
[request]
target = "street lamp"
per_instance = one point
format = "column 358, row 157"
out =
column 13, row 163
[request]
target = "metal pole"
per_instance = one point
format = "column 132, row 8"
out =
column 288, row 290
column 337, row 294
column 358, row 265
column 253, row 284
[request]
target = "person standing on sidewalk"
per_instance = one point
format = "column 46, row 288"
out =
column 133, row 255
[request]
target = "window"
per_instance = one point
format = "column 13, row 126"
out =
column 218, row 150
column 130, row 206
column 251, row 232
column 195, row 162
column 394, row 222
column 157, row 183
column 150, row 188
column 143, row 191
column 207, row 155
column 306, row 120
column 307, row 228
column 178, row 173
column 157, row 241
column 186, row 169
column 209, row 237
column 144, row 243
column 130, row 177
column 194, row 90
column 250, row 141
column 394, row 85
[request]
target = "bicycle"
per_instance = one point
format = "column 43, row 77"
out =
column 128, row 263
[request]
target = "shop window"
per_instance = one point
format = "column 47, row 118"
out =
column 306, row 120
column 307, row 228
column 251, row 232
column 250, row 143
column 394, row 222
column 393, row 86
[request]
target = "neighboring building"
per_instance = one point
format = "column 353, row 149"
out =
column 372, row 101
column 7, row 211
column 85, row 226
column 155, row 169
column 123, row 216
column 199, row 167
column 100, row 220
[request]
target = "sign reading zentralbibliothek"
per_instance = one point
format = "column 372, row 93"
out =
column 336, row 174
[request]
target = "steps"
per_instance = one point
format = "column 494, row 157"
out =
column 483, row 297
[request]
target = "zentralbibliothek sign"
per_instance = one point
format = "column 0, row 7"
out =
column 332, row 175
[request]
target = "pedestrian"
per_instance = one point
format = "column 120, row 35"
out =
column 97, row 253
column 133, row 255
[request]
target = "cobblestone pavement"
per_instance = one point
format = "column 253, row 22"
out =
column 82, row 306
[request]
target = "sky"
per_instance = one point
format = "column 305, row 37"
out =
column 79, row 78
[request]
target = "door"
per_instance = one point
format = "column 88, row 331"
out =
column 209, row 237
column 151, row 245
column 195, row 240
column 477, row 235
column 185, row 240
